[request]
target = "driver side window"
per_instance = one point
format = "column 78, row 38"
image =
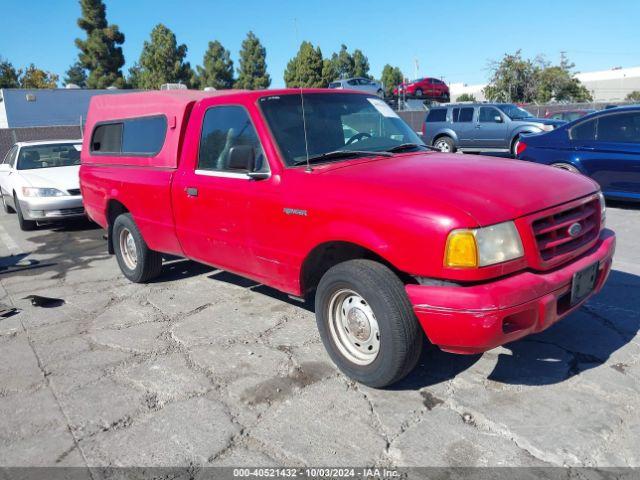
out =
column 222, row 129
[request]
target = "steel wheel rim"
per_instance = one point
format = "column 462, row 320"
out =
column 443, row 146
column 353, row 327
column 128, row 249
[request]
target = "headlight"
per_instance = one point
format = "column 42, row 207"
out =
column 603, row 209
column 545, row 128
column 42, row 192
column 479, row 247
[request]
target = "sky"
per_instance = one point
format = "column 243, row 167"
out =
column 453, row 40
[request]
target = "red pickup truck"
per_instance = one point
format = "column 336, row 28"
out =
column 330, row 193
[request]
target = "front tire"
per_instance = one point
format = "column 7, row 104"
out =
column 366, row 322
column 136, row 260
column 5, row 207
column 25, row 225
column 418, row 93
column 514, row 146
column 445, row 144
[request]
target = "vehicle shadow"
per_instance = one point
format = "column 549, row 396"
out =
column 582, row 341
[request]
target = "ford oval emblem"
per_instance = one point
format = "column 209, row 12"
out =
column 574, row 229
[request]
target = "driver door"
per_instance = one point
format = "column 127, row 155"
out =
column 212, row 198
column 491, row 129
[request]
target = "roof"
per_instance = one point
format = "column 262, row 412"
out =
column 46, row 142
column 45, row 107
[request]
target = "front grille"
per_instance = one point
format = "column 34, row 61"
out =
column 73, row 191
column 552, row 236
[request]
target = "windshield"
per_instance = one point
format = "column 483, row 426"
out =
column 514, row 113
column 47, row 156
column 343, row 121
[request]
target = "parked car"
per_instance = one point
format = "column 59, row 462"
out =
column 39, row 181
column 359, row 83
column 394, row 239
column 481, row 127
column 604, row 146
column 569, row 115
column 429, row 88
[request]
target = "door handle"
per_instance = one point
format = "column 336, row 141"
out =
column 191, row 191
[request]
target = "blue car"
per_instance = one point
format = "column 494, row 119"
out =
column 604, row 146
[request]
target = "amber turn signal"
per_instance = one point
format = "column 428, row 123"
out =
column 462, row 250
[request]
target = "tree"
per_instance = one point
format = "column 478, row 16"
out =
column 217, row 69
column 391, row 77
column 360, row 64
column 516, row 79
column 76, row 75
column 513, row 79
column 252, row 73
column 133, row 79
column 634, row 96
column 343, row 63
column 9, row 76
column 558, row 83
column 100, row 53
column 162, row 61
column 466, row 97
column 33, row 77
column 306, row 68
column 329, row 72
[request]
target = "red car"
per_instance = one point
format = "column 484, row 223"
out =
column 346, row 203
column 429, row 88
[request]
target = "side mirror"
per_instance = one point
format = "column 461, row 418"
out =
column 243, row 158
column 497, row 119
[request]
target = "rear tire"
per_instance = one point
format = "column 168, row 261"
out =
column 418, row 93
column 380, row 93
column 25, row 225
column 136, row 260
column 445, row 144
column 367, row 323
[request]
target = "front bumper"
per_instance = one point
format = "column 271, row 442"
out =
column 43, row 209
column 474, row 319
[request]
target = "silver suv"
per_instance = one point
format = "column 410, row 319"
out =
column 359, row 83
column 486, row 127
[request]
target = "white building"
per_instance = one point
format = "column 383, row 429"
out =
column 605, row 85
column 611, row 85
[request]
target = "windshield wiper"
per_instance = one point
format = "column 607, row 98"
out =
column 341, row 154
column 408, row 146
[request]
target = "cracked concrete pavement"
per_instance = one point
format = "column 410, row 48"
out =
column 206, row 368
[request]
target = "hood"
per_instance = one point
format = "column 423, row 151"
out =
column 490, row 190
column 62, row 178
column 544, row 121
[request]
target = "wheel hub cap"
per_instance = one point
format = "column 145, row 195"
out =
column 128, row 249
column 358, row 324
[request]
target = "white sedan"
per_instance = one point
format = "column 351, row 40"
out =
column 39, row 181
